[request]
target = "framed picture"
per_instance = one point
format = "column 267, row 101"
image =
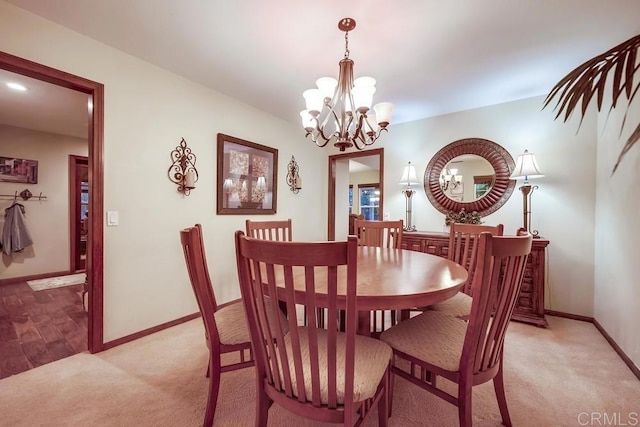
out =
column 20, row 171
column 247, row 177
column 458, row 189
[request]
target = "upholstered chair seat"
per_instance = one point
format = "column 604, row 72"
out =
column 458, row 306
column 440, row 343
column 371, row 362
column 232, row 324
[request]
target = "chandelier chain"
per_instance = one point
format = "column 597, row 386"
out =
column 346, row 45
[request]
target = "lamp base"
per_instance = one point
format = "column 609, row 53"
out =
column 410, row 228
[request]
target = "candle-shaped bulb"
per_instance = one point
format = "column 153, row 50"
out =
column 190, row 179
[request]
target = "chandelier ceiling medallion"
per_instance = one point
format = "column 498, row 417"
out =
column 338, row 110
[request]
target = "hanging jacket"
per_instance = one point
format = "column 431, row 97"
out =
column 15, row 235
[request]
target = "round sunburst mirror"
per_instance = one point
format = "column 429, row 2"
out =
column 481, row 180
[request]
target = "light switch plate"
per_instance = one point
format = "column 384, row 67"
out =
column 112, row 218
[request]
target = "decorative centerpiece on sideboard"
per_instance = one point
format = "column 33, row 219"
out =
column 463, row 217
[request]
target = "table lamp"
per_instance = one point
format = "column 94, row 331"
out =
column 409, row 178
column 527, row 168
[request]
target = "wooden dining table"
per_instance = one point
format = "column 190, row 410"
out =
column 393, row 279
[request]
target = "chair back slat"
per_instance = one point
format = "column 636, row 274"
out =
column 381, row 234
column 295, row 273
column 497, row 281
column 463, row 246
column 195, row 259
column 270, row 230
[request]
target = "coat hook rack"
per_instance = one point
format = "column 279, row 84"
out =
column 25, row 195
column 183, row 168
column 293, row 179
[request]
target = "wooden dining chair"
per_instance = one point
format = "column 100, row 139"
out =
column 381, row 234
column 352, row 224
column 279, row 230
column 225, row 325
column 463, row 249
column 314, row 371
column 466, row 353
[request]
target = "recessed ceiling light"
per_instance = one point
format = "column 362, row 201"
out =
column 18, row 87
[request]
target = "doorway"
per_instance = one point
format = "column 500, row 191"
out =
column 336, row 177
column 78, row 212
column 95, row 119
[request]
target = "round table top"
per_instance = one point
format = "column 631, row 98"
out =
column 395, row 279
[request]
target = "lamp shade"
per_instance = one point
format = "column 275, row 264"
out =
column 409, row 176
column 526, row 167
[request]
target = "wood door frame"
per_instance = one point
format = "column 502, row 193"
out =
column 331, row 217
column 74, row 207
column 95, row 117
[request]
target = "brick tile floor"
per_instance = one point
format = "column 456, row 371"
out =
column 39, row 327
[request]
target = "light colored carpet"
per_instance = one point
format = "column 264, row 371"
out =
column 554, row 377
column 57, row 282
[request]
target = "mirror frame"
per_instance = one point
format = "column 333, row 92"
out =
column 499, row 158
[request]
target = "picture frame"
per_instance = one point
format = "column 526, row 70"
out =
column 18, row 171
column 247, row 175
column 458, row 189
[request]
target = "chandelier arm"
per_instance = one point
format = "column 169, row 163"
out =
column 320, row 131
column 314, row 138
column 345, row 132
column 359, row 133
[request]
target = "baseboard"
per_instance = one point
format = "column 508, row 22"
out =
column 144, row 333
column 617, row 348
column 604, row 333
column 569, row 316
column 13, row 280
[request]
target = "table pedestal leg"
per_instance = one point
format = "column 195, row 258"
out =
column 364, row 323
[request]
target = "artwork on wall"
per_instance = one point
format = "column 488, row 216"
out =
column 458, row 189
column 247, row 177
column 21, row 171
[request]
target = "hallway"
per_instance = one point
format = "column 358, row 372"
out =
column 39, row 327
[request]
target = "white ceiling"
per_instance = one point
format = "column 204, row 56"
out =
column 44, row 107
column 429, row 57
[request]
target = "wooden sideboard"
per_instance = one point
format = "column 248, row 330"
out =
column 530, row 305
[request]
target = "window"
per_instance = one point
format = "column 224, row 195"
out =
column 369, row 201
column 482, row 184
column 350, row 199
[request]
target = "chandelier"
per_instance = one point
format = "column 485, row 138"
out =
column 338, row 110
column 449, row 179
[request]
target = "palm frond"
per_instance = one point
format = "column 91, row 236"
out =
column 635, row 136
column 589, row 80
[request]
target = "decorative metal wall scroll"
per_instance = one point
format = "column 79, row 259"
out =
column 293, row 179
column 183, row 170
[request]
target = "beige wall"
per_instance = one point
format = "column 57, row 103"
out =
column 617, row 289
column 147, row 112
column 563, row 206
column 47, row 220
